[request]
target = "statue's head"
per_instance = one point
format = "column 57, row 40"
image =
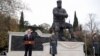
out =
column 59, row 4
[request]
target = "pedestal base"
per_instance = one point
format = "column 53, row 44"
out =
column 66, row 49
column 63, row 49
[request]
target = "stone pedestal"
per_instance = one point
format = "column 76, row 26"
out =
column 66, row 49
column 63, row 48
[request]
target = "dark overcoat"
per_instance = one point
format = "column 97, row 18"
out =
column 53, row 45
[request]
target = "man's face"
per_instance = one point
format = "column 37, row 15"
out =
column 29, row 31
column 59, row 4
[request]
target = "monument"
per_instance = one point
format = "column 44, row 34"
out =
column 62, row 48
column 59, row 24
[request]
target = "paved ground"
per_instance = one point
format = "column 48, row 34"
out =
column 5, row 55
column 2, row 55
column 89, row 55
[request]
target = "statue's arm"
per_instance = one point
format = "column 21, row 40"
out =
column 63, row 14
column 55, row 12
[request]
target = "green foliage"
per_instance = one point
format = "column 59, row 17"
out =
column 35, row 27
column 3, row 39
column 21, row 23
column 44, row 27
column 7, row 23
column 75, row 23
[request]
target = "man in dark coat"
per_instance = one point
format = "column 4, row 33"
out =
column 29, row 42
column 97, row 48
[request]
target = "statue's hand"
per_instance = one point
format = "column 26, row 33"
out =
column 65, row 15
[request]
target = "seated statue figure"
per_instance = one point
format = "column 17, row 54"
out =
column 59, row 24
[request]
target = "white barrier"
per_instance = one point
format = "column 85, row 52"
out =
column 63, row 48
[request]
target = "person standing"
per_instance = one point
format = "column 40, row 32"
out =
column 28, row 42
column 53, row 45
column 96, row 45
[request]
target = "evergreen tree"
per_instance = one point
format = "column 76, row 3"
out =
column 21, row 23
column 75, row 23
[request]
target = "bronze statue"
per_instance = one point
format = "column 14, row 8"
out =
column 59, row 24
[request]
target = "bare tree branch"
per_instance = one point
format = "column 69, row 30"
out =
column 10, row 7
